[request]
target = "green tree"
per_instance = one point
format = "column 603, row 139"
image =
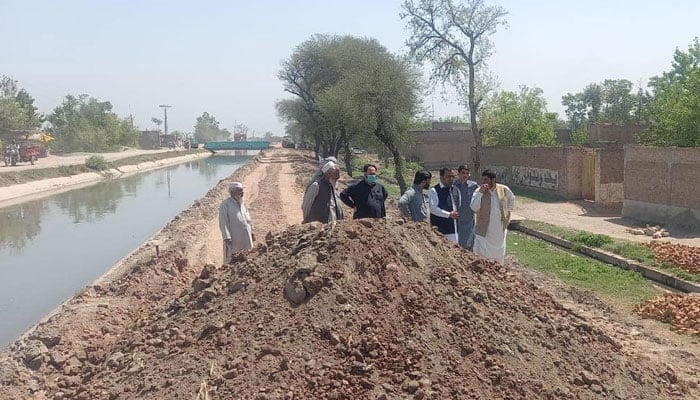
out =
column 455, row 37
column 158, row 122
column 675, row 107
column 518, row 119
column 17, row 110
column 84, row 123
column 207, row 129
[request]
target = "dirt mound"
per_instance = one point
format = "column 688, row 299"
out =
column 682, row 311
column 681, row 256
column 368, row 309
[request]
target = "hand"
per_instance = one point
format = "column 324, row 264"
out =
column 454, row 214
column 484, row 188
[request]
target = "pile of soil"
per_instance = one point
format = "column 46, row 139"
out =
column 369, row 309
column 682, row 311
column 684, row 257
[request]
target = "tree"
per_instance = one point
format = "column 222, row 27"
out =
column 518, row 119
column 207, row 129
column 17, row 110
column 454, row 37
column 675, row 107
column 84, row 123
column 350, row 89
column 158, row 122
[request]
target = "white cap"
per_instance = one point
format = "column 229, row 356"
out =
column 235, row 185
column 329, row 165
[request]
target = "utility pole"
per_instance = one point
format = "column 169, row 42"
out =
column 165, row 116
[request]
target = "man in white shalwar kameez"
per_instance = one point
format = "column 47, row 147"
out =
column 492, row 204
column 235, row 223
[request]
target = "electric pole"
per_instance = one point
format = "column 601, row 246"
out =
column 165, row 117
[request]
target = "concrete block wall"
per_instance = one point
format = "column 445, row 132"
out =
column 662, row 185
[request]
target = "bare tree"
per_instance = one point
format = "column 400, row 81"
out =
column 454, row 36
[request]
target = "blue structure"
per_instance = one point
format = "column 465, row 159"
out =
column 229, row 145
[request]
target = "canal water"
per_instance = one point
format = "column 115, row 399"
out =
column 53, row 247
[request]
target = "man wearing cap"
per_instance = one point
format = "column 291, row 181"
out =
column 320, row 200
column 234, row 222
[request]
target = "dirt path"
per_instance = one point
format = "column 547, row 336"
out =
column 54, row 161
column 579, row 215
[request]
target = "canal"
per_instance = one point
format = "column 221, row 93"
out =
column 53, row 247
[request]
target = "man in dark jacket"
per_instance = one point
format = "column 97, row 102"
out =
column 444, row 205
column 367, row 196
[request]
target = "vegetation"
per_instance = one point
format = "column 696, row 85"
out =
column 518, row 119
column 84, row 123
column 349, row 90
column 96, row 162
column 623, row 287
column 17, row 110
column 454, row 37
column 675, row 109
column 207, row 129
column 624, row 248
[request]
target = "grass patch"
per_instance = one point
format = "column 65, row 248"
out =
column 627, row 288
column 96, row 162
column 530, row 196
column 624, row 248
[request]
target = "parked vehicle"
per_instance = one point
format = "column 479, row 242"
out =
column 287, row 143
column 22, row 152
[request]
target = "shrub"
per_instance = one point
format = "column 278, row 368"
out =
column 98, row 163
column 590, row 239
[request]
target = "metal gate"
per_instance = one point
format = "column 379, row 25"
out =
column 588, row 176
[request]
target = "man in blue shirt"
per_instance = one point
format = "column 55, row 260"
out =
column 465, row 223
column 412, row 202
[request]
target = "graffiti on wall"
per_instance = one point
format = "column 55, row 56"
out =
column 502, row 173
column 537, row 177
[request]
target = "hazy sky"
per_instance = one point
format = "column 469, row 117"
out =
column 223, row 56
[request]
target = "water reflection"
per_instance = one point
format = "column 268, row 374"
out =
column 50, row 248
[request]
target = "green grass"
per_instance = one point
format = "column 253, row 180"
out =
column 620, row 286
column 624, row 248
column 531, row 196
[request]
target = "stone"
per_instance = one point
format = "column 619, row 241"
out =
column 340, row 298
column 200, row 284
column 419, row 394
column 312, row 284
column 589, row 378
column 596, row 388
column 294, row 291
column 412, row 386
column 115, row 359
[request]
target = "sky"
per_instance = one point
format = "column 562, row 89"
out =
column 223, row 57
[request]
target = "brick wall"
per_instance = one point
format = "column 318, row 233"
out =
column 437, row 149
column 554, row 170
column 661, row 185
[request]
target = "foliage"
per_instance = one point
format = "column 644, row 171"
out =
column 349, row 90
column 590, row 239
column 675, row 109
column 84, row 123
column 207, row 129
column 518, row 119
column 611, row 101
column 97, row 162
column 455, row 37
column 157, row 121
column 17, row 110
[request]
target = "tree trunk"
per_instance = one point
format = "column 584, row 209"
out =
column 398, row 169
column 476, row 157
column 348, row 159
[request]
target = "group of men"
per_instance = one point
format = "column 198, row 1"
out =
column 472, row 215
column 475, row 216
